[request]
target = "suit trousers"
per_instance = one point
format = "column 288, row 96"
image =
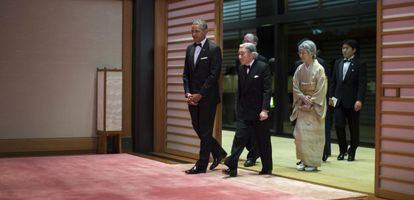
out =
column 328, row 123
column 341, row 116
column 245, row 128
column 251, row 146
column 202, row 119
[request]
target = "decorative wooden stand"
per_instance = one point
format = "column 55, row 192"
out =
column 103, row 141
column 109, row 109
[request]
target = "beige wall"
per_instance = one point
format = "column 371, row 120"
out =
column 49, row 53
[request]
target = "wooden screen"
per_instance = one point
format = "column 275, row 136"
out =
column 173, row 129
column 395, row 100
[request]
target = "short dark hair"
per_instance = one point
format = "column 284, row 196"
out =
column 352, row 43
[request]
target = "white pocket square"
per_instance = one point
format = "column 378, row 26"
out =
column 256, row 76
column 203, row 58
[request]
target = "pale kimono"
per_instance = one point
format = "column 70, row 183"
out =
column 309, row 131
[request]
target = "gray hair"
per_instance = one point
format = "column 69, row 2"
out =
column 251, row 38
column 201, row 24
column 251, row 48
column 309, row 47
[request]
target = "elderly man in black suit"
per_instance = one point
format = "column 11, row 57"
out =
column 251, row 145
column 347, row 93
column 200, row 77
column 254, row 90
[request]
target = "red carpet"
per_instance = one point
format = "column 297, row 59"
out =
column 117, row 177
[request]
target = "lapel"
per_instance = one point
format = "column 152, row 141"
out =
column 203, row 53
column 192, row 50
column 242, row 76
column 250, row 76
column 241, row 79
column 350, row 68
column 252, row 71
column 341, row 70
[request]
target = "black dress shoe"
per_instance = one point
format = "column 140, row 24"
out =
column 230, row 172
column 325, row 157
column 195, row 170
column 249, row 163
column 217, row 161
column 265, row 172
column 341, row 156
column 351, row 158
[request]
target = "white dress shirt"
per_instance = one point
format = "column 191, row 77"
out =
column 346, row 67
column 198, row 50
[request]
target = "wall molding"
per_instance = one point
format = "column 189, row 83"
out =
column 47, row 144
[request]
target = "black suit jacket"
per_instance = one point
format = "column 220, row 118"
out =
column 254, row 90
column 202, row 78
column 353, row 87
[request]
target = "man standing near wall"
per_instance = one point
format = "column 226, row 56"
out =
column 347, row 93
column 202, row 69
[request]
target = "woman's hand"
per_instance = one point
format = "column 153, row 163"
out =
column 306, row 99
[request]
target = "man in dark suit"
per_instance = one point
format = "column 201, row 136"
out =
column 200, row 78
column 251, row 145
column 254, row 90
column 347, row 93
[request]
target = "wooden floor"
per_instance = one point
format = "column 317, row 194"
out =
column 356, row 176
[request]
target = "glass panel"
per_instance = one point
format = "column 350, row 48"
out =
column 303, row 5
column 240, row 10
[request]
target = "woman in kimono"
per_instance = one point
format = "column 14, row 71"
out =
column 309, row 106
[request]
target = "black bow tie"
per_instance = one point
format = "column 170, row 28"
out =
column 347, row 60
column 247, row 66
column 197, row 44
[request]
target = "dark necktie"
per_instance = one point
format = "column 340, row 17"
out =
column 346, row 67
column 247, row 69
column 197, row 44
column 347, row 60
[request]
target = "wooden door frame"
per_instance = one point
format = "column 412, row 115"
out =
column 160, row 74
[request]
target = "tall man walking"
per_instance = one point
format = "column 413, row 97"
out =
column 200, row 78
column 347, row 93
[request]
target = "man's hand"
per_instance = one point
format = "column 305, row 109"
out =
column 195, row 98
column 263, row 115
column 358, row 106
column 189, row 97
